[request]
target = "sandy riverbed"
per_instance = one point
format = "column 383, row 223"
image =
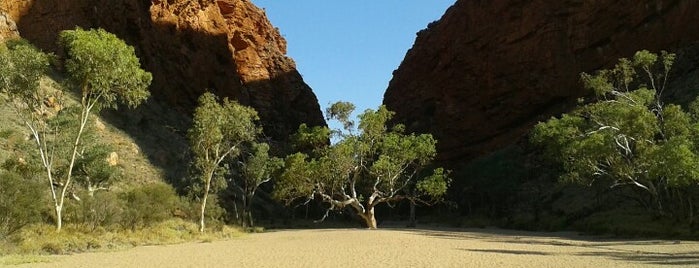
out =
column 398, row 248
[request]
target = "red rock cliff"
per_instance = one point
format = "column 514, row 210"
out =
column 482, row 75
column 226, row 46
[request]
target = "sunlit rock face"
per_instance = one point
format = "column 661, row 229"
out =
column 228, row 47
column 481, row 76
column 8, row 27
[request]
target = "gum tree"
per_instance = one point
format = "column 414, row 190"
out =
column 219, row 132
column 253, row 167
column 371, row 165
column 628, row 136
column 102, row 69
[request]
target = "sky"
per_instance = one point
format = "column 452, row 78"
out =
column 347, row 50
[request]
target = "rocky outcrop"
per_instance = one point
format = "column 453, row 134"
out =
column 482, row 75
column 8, row 27
column 10, row 11
column 225, row 46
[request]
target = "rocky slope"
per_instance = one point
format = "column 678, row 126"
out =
column 482, row 75
column 225, row 46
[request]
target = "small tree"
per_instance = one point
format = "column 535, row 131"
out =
column 93, row 171
column 627, row 137
column 219, row 131
column 254, row 167
column 375, row 165
column 101, row 67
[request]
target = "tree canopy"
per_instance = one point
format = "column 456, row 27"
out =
column 628, row 136
column 219, row 132
column 104, row 68
column 374, row 164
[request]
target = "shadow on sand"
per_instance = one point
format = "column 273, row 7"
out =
column 647, row 252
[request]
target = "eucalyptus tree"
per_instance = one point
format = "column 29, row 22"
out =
column 365, row 167
column 219, row 132
column 628, row 136
column 99, row 66
column 253, row 167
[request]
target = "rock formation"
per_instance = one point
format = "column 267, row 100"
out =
column 482, row 75
column 8, row 27
column 225, row 46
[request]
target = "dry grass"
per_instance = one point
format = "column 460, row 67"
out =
column 43, row 239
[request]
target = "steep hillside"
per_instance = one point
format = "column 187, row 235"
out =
column 483, row 74
column 225, row 46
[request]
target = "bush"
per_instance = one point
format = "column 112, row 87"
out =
column 104, row 209
column 147, row 205
column 20, row 202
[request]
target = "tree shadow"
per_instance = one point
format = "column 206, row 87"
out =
column 614, row 249
column 515, row 252
column 654, row 258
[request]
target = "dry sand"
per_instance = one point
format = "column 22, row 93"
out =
column 398, row 248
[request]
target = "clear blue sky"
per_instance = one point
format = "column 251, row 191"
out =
column 347, row 50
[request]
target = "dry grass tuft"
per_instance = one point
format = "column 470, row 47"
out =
column 42, row 239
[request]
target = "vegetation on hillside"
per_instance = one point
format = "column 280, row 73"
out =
column 55, row 151
column 104, row 71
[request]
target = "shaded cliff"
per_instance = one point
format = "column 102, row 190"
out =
column 225, row 46
column 482, row 75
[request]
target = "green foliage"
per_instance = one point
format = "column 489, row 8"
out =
column 307, row 138
column 341, row 111
column 100, row 210
column 377, row 164
column 104, row 70
column 434, row 185
column 93, row 171
column 219, row 132
column 23, row 65
column 21, row 202
column 253, row 168
column 102, row 66
column 627, row 137
column 256, row 166
column 148, row 205
column 295, row 181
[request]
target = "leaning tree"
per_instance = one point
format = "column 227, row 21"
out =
column 364, row 167
column 628, row 137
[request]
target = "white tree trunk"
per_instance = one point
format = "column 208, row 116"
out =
column 59, row 218
column 203, row 208
column 369, row 218
column 203, row 201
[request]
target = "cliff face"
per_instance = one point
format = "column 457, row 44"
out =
column 8, row 27
column 225, row 46
column 480, row 77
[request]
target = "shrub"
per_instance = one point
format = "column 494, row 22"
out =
column 20, row 202
column 147, row 205
column 104, row 209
